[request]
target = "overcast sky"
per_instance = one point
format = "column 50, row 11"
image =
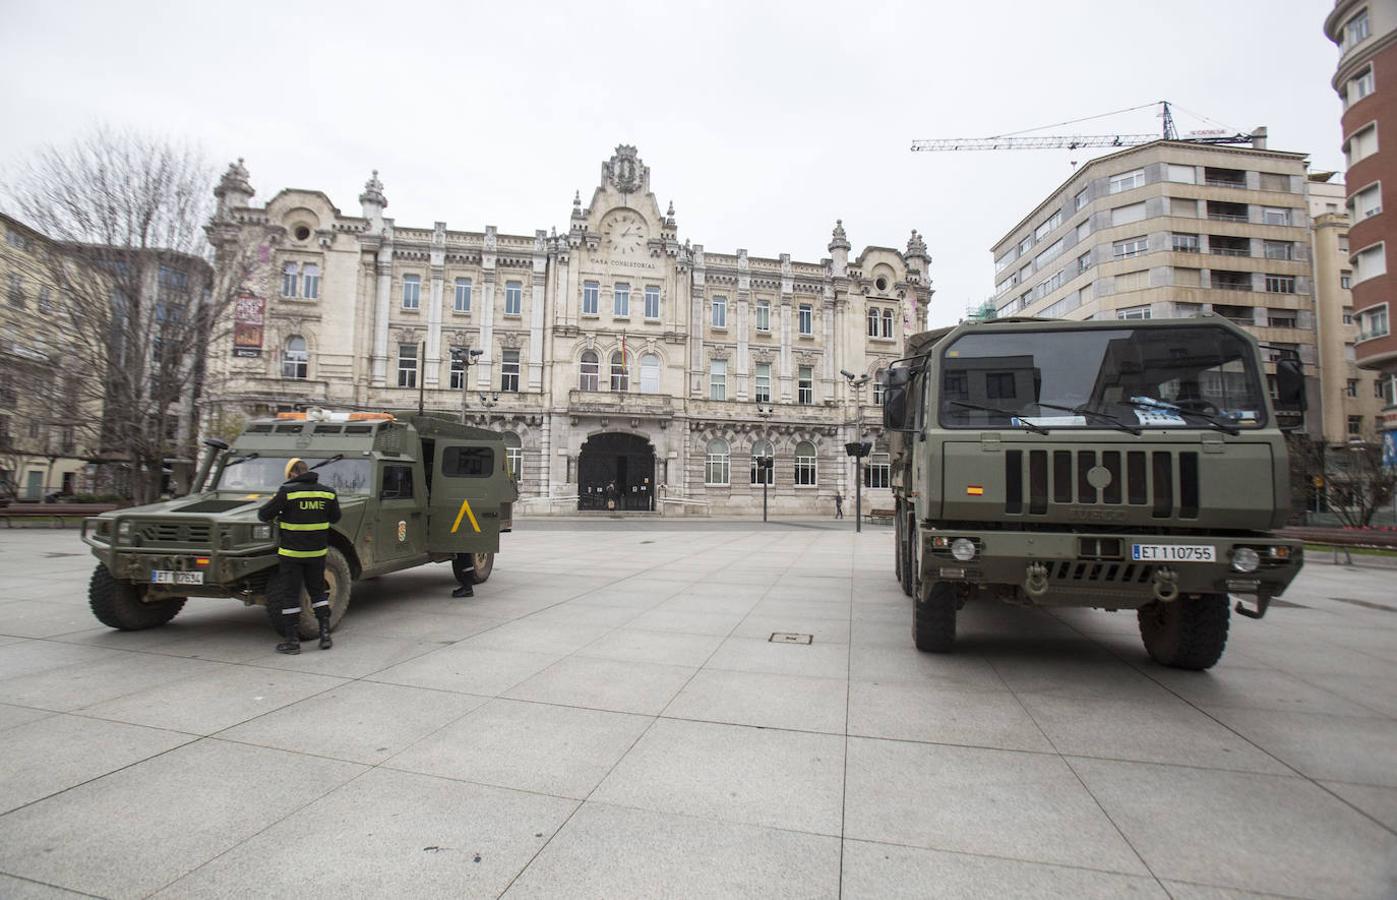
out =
column 763, row 122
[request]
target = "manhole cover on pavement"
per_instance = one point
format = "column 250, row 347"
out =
column 787, row 637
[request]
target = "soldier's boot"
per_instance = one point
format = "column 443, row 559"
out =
column 465, row 590
column 292, row 644
column 322, row 619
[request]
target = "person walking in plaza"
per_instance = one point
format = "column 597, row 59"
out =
column 838, row 505
column 304, row 510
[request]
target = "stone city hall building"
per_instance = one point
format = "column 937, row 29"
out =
column 614, row 352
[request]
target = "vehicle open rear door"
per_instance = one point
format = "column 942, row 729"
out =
column 466, row 496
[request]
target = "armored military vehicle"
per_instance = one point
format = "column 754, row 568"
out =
column 413, row 490
column 1112, row 464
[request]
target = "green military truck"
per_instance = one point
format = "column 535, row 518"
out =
column 412, row 490
column 1121, row 464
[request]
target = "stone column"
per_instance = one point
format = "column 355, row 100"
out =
column 539, row 283
column 742, row 373
column 696, row 301
column 432, row 364
column 383, row 298
column 484, row 365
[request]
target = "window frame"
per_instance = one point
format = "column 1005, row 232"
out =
column 310, row 281
column 620, row 375
column 761, row 383
column 718, row 311
column 290, row 280
column 514, row 298
column 1125, row 181
column 412, row 299
column 806, row 466
column 805, row 320
column 718, row 380
column 509, row 370
column 292, row 364
column 464, row 290
column 805, row 386
column 407, row 378
column 652, row 311
column 763, row 316
column 621, row 300
column 583, row 375
column 591, row 298
column 717, row 462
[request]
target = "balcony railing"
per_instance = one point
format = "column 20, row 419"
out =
column 1227, row 217
column 1229, row 251
column 1224, row 182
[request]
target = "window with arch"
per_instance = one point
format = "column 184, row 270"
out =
column 878, row 386
column 805, row 466
column 514, row 455
column 877, row 471
column 887, row 323
column 717, row 468
column 290, row 276
column 294, row 358
column 620, row 372
column 591, row 370
column 650, row 374
column 311, row 283
column 760, row 449
column 872, row 322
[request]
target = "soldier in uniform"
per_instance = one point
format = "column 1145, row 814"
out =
column 304, row 509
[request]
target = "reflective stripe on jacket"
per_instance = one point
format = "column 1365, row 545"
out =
column 304, row 509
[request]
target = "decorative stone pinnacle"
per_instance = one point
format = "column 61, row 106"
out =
column 373, row 191
column 916, row 246
column 234, row 181
column 841, row 240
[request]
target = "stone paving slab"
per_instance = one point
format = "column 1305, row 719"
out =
column 626, row 729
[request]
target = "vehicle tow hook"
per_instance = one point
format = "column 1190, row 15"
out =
column 1036, row 584
column 1261, row 601
column 1166, row 585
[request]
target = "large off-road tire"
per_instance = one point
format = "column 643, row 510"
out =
column 934, row 617
column 1188, row 633
column 117, row 604
column 338, row 577
column 484, row 565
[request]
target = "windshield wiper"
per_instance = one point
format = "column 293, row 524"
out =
column 1097, row 414
column 240, row 459
column 1148, row 403
column 325, row 462
column 1036, row 429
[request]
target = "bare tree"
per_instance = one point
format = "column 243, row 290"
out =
column 137, row 299
column 1350, row 481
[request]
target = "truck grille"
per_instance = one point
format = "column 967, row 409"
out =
column 1166, row 481
column 158, row 533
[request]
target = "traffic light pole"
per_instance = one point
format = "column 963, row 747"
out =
column 858, row 494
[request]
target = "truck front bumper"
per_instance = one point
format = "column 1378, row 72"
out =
column 1066, row 569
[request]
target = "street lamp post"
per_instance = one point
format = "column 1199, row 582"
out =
column 465, row 356
column 857, row 448
column 765, row 464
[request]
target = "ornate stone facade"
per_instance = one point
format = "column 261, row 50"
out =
column 658, row 352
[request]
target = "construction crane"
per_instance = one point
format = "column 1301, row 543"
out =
column 1021, row 140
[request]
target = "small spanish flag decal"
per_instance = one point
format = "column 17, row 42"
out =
column 974, row 490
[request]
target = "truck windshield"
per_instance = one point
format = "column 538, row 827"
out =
column 264, row 475
column 1141, row 377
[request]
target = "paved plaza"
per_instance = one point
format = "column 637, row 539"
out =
column 608, row 718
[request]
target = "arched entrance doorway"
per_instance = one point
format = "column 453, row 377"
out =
column 626, row 461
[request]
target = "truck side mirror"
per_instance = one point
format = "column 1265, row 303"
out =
column 1290, row 402
column 1290, row 386
column 895, row 385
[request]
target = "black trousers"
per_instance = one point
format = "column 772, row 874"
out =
column 294, row 572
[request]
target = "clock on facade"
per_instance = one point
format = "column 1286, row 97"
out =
column 625, row 234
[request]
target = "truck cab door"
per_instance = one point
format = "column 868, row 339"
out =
column 401, row 524
column 469, row 484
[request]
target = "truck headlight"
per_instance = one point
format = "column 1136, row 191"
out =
column 123, row 530
column 261, row 532
column 1245, row 560
column 963, row 549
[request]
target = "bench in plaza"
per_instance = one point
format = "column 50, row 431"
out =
column 877, row 515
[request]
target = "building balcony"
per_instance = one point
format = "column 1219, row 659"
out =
column 620, row 403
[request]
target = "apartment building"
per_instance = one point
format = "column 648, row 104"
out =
column 1172, row 229
column 1365, row 79
column 1352, row 397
